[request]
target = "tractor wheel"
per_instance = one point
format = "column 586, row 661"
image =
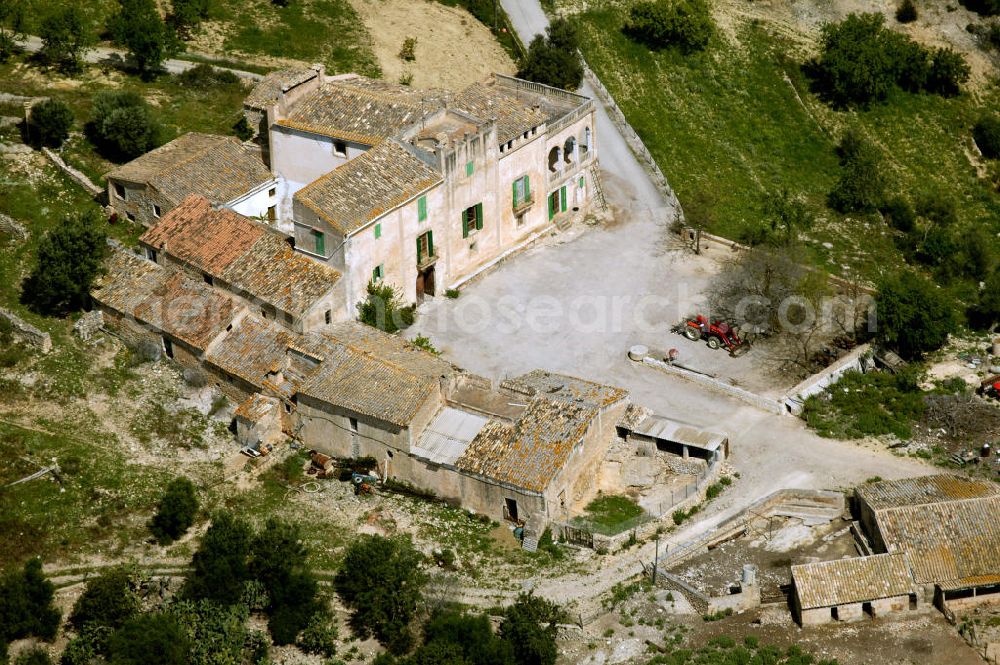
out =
column 714, row 343
column 692, row 333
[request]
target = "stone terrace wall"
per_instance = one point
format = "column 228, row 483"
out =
column 27, row 332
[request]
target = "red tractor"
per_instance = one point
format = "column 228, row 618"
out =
column 715, row 333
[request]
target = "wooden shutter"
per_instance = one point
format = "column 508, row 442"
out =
column 421, row 208
column 552, row 207
column 430, row 243
column 320, row 242
column 479, row 215
column 562, row 198
column 419, row 249
column 514, row 199
column 465, row 223
column 527, row 189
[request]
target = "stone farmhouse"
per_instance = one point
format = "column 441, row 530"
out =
column 933, row 539
column 418, row 189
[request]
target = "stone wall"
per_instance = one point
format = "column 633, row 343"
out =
column 27, row 332
column 12, row 228
column 89, row 324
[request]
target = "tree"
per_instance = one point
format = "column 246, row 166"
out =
column 12, row 15
column 984, row 7
column 91, row 644
column 26, row 607
column 986, row 133
column 176, row 512
column 65, row 37
column 150, row 639
column 530, row 628
column 854, row 67
column 862, row 183
column 906, row 12
column 138, row 27
column 51, row 121
column 381, row 581
column 914, row 316
column 108, row 600
column 683, row 24
column 383, row 308
column 69, row 257
column 219, row 567
column 122, row 125
column 787, row 214
column 186, row 15
column 278, row 561
column 948, row 72
column 473, row 635
column 986, row 313
column 555, row 59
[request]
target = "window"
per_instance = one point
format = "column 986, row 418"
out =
column 534, row 130
column 585, row 141
column 522, row 191
column 263, row 313
column 425, row 246
column 581, row 182
column 151, row 254
column 353, row 423
column 319, row 242
column 272, row 192
column 378, row 231
column 288, row 407
column 168, row 347
column 472, row 219
column 156, row 210
column 328, row 317
column 119, row 191
column 510, row 144
column 526, row 134
column 502, row 148
column 340, row 148
column 569, row 150
column 469, row 168
column 272, row 214
column 555, row 157
column 208, row 278
column 378, row 273
column 130, row 216
column 422, row 209
column 288, row 318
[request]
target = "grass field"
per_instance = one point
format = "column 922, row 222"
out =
column 739, row 120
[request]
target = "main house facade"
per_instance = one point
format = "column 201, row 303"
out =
column 381, row 182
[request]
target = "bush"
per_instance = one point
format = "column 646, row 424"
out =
column 906, row 12
column 51, row 121
column 319, row 635
column 242, row 129
column 423, row 342
column 381, row 580
column 452, row 293
column 554, row 59
column 530, row 628
column 204, row 76
column 384, row 309
column 219, row 567
column 684, row 24
column 90, row 645
column 900, row 214
column 186, row 15
column 34, row 655
column 26, row 607
column 123, row 126
column 861, row 405
column 108, row 600
column 150, row 639
column 408, row 51
column 176, row 511
column 948, row 72
column 216, row 633
column 984, row 7
column 914, row 316
column 986, row 133
column 861, row 187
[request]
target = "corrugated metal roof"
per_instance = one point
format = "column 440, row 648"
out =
column 855, row 580
column 658, row 427
column 448, row 435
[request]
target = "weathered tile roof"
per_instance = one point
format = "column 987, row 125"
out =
column 515, row 113
column 564, row 388
column 634, row 414
column 217, row 167
column 268, row 90
column 242, row 253
column 830, row 583
column 532, row 450
column 360, row 110
column 368, row 186
column 166, row 300
column 252, row 350
column 392, row 348
column 950, row 541
column 256, row 407
column 925, row 489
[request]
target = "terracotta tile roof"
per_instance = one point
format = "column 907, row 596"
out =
column 359, row 109
column 368, row 186
column 242, row 253
column 530, row 452
column 392, row 348
column 256, row 407
column 252, row 350
column 564, row 388
column 196, row 233
column 950, row 541
column 164, row 299
column 855, row 580
column 267, row 91
column 925, row 489
column 515, row 113
column 217, row 167
column 634, row 414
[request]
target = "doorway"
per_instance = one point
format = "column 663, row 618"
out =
column 425, row 283
column 866, row 608
column 168, row 348
column 510, row 509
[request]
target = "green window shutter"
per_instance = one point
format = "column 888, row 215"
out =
column 419, row 256
column 527, row 189
column 378, row 231
column 469, row 167
column 421, row 208
column 514, row 187
column 562, row 198
column 465, row 224
column 320, row 242
column 430, row 243
column 479, row 215
column 552, row 207
column 581, row 182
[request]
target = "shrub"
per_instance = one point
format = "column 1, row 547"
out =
column 384, row 309
column 938, row 208
column 90, row 645
column 900, row 214
column 684, row 24
column 34, row 655
column 423, row 342
column 948, row 72
column 123, row 126
column 51, row 121
column 204, row 76
column 219, row 567
column 452, row 293
column 408, row 50
column 186, row 15
column 914, row 316
column 286, row 622
column 216, row 633
column 108, row 600
column 906, row 12
column 319, row 636
column 854, row 66
column 861, row 187
column 242, row 129
column 68, row 259
column 984, row 7
column 176, row 511
column 554, row 59
column 150, row 638
column 530, row 629
column 986, row 133
column 26, row 607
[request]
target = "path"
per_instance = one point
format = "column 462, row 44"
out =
column 118, row 58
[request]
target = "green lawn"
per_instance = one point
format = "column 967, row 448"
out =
column 739, row 120
column 611, row 514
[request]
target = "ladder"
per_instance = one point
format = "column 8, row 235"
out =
column 595, row 177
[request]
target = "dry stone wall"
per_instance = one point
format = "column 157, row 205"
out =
column 27, row 332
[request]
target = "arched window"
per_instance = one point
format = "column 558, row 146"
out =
column 585, row 141
column 569, row 150
column 554, row 156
